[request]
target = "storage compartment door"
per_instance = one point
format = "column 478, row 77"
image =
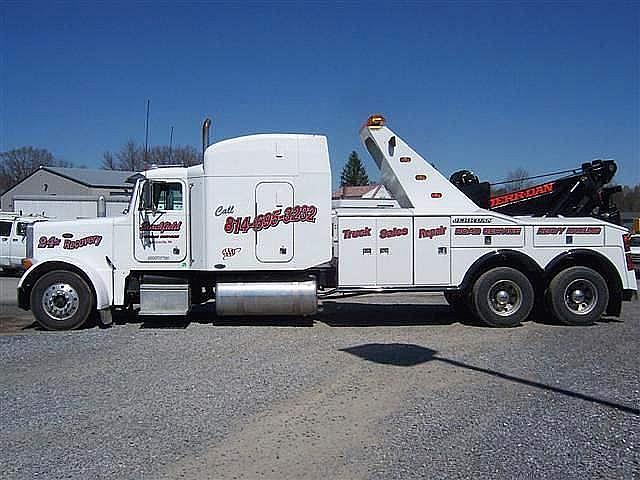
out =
column 432, row 239
column 275, row 243
column 395, row 251
column 356, row 252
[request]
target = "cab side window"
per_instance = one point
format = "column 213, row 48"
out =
column 167, row 196
column 5, row 229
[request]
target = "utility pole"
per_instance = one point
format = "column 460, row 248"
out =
column 146, row 134
column 170, row 143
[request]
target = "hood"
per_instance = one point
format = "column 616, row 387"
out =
column 73, row 238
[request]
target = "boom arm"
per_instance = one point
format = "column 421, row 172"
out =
column 584, row 193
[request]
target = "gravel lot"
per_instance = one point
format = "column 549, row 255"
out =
column 370, row 388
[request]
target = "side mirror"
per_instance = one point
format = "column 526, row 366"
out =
column 146, row 198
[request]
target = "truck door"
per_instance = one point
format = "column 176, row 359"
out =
column 395, row 251
column 275, row 243
column 357, row 251
column 5, row 243
column 161, row 229
column 432, row 250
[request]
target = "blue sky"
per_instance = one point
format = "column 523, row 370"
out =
column 486, row 86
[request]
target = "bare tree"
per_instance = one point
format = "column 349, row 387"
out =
column 131, row 157
column 517, row 179
column 185, row 155
column 109, row 161
column 18, row 163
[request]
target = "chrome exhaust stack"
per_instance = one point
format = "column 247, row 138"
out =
column 206, row 125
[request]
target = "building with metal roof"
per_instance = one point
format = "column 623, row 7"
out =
column 68, row 193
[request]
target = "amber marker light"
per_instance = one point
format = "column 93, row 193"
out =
column 421, row 177
column 405, row 159
column 436, row 195
column 375, row 121
column 27, row 263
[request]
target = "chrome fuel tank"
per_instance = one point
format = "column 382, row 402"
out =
column 267, row 298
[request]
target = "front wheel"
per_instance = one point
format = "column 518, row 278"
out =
column 61, row 300
column 578, row 296
column 502, row 297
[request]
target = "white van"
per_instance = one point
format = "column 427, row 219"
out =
column 13, row 229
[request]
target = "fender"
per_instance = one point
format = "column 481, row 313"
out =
column 100, row 280
column 502, row 258
column 577, row 254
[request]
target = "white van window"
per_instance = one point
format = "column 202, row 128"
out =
column 5, row 229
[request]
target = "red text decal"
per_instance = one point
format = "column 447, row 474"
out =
column 363, row 232
column 393, row 232
column 501, row 230
column 82, row 242
column 161, row 227
column 467, row 231
column 298, row 213
column 432, row 232
column 525, row 194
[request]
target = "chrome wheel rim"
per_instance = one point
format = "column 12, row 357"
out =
column 581, row 296
column 504, row 298
column 60, row 301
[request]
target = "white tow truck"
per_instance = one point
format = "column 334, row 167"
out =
column 253, row 228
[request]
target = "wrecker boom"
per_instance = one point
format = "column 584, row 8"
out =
column 582, row 193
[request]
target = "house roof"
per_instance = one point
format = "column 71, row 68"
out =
column 377, row 191
column 93, row 177
column 352, row 192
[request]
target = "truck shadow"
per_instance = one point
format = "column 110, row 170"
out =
column 11, row 273
column 206, row 314
column 410, row 355
column 333, row 314
column 356, row 314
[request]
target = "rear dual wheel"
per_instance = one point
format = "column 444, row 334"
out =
column 578, row 296
column 502, row 297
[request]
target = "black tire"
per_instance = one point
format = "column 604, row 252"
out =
column 502, row 297
column 565, row 292
column 69, row 300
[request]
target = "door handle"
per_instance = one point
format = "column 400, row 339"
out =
column 384, row 251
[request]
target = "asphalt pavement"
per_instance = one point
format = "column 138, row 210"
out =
column 378, row 387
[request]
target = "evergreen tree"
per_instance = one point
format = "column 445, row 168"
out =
column 353, row 173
